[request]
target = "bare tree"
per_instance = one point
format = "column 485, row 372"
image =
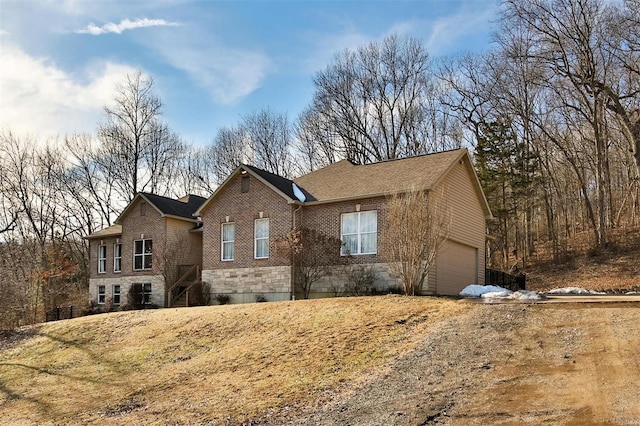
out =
column 312, row 253
column 268, row 135
column 420, row 223
column 139, row 152
column 230, row 148
column 377, row 101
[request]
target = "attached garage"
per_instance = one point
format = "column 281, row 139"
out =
column 457, row 267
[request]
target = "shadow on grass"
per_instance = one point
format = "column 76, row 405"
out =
column 114, row 370
column 50, row 372
column 117, row 367
column 13, row 396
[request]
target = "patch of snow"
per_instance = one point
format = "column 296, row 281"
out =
column 526, row 295
column 475, row 290
column 502, row 294
column 573, row 290
column 495, row 292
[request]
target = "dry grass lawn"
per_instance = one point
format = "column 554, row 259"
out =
column 220, row 364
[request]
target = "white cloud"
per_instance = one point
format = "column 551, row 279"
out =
column 227, row 74
column 329, row 45
column 40, row 99
column 447, row 31
column 125, row 25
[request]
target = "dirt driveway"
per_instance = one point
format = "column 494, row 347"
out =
column 570, row 364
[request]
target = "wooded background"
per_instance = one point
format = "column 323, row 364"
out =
column 551, row 115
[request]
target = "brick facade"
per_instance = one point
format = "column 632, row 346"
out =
column 250, row 194
column 172, row 244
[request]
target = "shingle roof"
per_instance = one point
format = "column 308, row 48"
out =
column 106, row 232
column 282, row 184
column 344, row 180
column 174, row 207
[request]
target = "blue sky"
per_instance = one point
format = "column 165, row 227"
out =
column 212, row 61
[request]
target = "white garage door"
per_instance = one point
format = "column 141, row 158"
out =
column 457, row 267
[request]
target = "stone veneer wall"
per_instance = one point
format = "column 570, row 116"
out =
column 157, row 287
column 244, row 284
column 335, row 282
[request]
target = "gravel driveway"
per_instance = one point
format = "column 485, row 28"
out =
column 506, row 364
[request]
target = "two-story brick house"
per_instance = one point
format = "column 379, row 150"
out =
column 153, row 243
column 347, row 201
column 230, row 234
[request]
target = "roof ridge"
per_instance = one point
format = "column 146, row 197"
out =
column 426, row 154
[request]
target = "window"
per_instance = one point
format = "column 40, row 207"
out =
column 359, row 232
column 261, row 232
column 228, row 240
column 143, row 208
column 102, row 259
column 116, row 295
column 101, row 294
column 117, row 257
column 146, row 293
column 142, row 254
column 140, row 293
column 244, row 184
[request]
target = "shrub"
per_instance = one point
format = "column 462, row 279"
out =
column 260, row 298
column 223, row 299
column 200, row 294
column 360, row 281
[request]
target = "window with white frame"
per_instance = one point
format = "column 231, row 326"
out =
column 116, row 295
column 102, row 259
column 146, row 293
column 359, row 232
column 228, row 240
column 117, row 257
column 102, row 294
column 261, row 243
column 142, row 254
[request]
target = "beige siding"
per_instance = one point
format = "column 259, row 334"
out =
column 462, row 260
column 456, row 268
column 186, row 245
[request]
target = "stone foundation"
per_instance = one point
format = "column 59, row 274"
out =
column 157, row 287
column 244, row 284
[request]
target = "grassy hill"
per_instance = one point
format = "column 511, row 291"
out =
column 220, row 364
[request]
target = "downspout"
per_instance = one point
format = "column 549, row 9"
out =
column 293, row 258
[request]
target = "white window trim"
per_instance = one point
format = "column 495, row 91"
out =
column 222, row 241
column 143, row 254
column 358, row 234
column 113, row 294
column 256, row 239
column 103, row 294
column 117, row 271
column 102, row 261
column 144, row 292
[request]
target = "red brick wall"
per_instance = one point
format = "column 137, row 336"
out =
column 243, row 208
column 93, row 257
column 326, row 219
column 134, row 225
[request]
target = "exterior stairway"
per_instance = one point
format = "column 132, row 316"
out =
column 179, row 293
column 180, row 302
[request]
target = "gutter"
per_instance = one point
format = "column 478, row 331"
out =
column 293, row 259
